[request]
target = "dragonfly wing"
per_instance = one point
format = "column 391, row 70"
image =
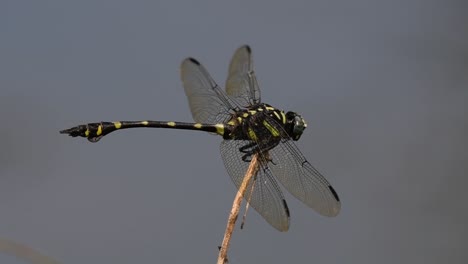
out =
column 266, row 196
column 208, row 103
column 241, row 84
column 302, row 180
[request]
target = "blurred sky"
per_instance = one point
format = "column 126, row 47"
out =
column 383, row 85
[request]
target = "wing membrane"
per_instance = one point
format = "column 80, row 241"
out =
column 241, row 84
column 208, row 103
column 302, row 180
column 267, row 198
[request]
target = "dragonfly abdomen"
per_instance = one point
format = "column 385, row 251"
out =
column 95, row 131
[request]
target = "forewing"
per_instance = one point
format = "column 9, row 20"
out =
column 241, row 84
column 302, row 180
column 267, row 198
column 208, row 103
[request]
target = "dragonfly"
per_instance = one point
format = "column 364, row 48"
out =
column 248, row 127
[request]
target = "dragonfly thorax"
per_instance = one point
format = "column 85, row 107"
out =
column 263, row 119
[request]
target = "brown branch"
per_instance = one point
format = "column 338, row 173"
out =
column 251, row 171
column 248, row 203
column 24, row 252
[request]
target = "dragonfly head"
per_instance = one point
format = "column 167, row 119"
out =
column 295, row 125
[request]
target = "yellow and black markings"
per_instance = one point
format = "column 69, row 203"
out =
column 220, row 129
column 277, row 115
column 117, row 125
column 99, row 130
column 231, row 123
column 274, row 132
column 283, row 117
column 252, row 134
column 246, row 120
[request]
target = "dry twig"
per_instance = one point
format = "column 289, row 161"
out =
column 251, row 172
column 24, row 252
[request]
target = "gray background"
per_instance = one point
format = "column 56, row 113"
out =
column 383, row 85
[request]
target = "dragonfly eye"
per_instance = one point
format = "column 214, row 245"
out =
column 295, row 125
